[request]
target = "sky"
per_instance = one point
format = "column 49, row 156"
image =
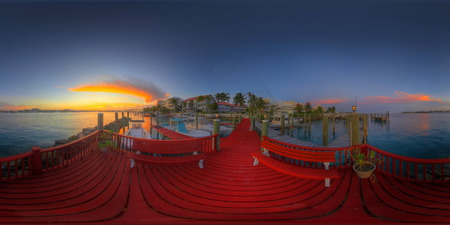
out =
column 379, row 55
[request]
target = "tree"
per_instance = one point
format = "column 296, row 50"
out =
column 222, row 97
column 207, row 99
column 308, row 107
column 298, row 108
column 175, row 103
column 199, row 100
column 213, row 107
column 320, row 109
column 239, row 99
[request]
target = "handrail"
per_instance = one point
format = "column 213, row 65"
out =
column 401, row 167
column 62, row 155
column 14, row 167
column 125, row 143
column 412, row 169
column 342, row 154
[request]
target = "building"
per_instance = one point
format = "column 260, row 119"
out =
column 228, row 107
column 167, row 103
column 193, row 104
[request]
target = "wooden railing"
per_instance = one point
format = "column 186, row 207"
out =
column 343, row 159
column 59, row 156
column 401, row 167
column 412, row 169
column 125, row 143
column 16, row 166
column 40, row 160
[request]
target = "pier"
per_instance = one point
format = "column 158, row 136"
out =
column 88, row 186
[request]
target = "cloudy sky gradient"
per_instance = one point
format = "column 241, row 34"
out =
column 382, row 55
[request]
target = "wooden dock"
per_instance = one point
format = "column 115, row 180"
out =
column 101, row 188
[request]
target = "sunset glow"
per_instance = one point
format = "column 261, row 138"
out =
column 150, row 92
column 400, row 97
column 328, row 101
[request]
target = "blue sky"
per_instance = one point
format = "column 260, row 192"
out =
column 385, row 55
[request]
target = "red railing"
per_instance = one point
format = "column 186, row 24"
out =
column 39, row 160
column 16, row 166
column 125, row 143
column 59, row 156
column 343, row 159
column 413, row 169
column 401, row 167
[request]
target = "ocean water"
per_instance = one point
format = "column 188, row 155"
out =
column 424, row 135
column 19, row 132
column 418, row 135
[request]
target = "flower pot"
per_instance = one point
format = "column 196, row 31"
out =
column 364, row 173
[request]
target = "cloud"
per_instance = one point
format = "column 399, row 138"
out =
column 148, row 91
column 328, row 101
column 401, row 97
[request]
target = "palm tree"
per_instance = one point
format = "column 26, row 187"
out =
column 174, row 102
column 320, row 109
column 239, row 99
column 308, row 107
column 222, row 97
column 298, row 108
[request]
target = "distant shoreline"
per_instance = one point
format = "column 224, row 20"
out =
column 437, row 111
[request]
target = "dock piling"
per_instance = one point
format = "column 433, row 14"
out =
column 100, row 121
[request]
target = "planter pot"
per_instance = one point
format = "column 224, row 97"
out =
column 104, row 149
column 364, row 174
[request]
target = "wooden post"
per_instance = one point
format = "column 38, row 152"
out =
column 116, row 114
column 282, row 124
column 325, row 130
column 216, row 131
column 309, row 125
column 365, row 128
column 355, row 129
column 234, row 122
column 253, row 122
column 128, row 114
column 37, row 160
column 123, row 115
column 151, row 124
column 334, row 125
column 265, row 128
column 196, row 121
column 100, row 121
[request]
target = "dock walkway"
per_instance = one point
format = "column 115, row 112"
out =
column 171, row 134
column 101, row 188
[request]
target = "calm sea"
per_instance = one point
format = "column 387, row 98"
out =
column 415, row 135
column 19, row 132
column 418, row 135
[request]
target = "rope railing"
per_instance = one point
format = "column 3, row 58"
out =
column 401, row 167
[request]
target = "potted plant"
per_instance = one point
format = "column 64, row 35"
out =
column 364, row 163
column 104, row 145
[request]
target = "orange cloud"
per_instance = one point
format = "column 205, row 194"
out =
column 148, row 91
column 328, row 101
column 401, row 97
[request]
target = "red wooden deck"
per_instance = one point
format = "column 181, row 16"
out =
column 102, row 189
